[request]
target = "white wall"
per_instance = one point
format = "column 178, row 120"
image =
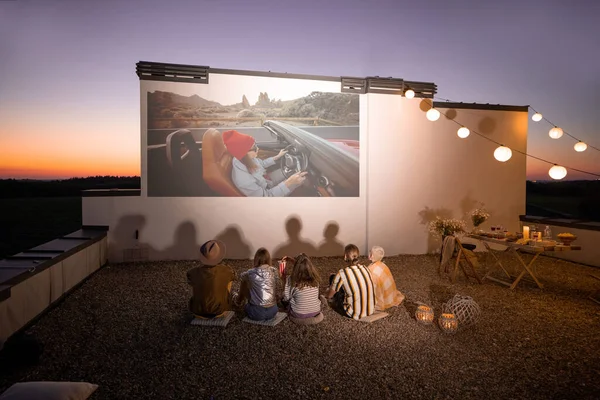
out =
column 418, row 169
column 411, row 170
column 174, row 228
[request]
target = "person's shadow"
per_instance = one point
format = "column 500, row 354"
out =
column 330, row 246
column 237, row 247
column 295, row 245
column 185, row 244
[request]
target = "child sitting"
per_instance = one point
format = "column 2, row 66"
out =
column 357, row 285
column 302, row 289
column 385, row 288
column 260, row 286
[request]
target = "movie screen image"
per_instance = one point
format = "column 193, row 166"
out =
column 248, row 136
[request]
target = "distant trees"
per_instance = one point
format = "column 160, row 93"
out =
column 15, row 188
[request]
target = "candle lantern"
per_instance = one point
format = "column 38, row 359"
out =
column 424, row 315
column 448, row 323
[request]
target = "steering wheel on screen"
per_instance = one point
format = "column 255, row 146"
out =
column 293, row 161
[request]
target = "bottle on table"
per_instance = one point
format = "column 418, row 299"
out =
column 547, row 233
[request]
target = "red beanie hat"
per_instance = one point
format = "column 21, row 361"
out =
column 237, row 144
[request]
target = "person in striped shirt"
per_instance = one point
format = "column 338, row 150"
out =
column 355, row 284
column 302, row 289
column 386, row 293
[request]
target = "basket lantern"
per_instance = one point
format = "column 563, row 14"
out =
column 465, row 309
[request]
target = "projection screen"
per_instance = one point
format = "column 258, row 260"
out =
column 251, row 136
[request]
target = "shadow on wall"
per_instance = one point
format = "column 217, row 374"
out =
column 451, row 114
column 235, row 242
column 426, row 216
column 295, row 244
column 330, row 246
column 487, row 126
column 185, row 244
column 124, row 246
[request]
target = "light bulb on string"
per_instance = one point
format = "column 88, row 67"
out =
column 537, row 117
column 557, row 172
column 502, row 153
column 580, row 146
column 409, row 94
column 433, row 114
column 463, row 132
column 555, row 133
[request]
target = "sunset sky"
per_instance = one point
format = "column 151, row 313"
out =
column 69, row 95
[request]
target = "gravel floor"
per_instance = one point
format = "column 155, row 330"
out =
column 127, row 329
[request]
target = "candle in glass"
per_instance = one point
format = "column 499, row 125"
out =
column 525, row 232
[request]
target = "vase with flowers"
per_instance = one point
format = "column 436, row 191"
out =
column 479, row 216
column 446, row 226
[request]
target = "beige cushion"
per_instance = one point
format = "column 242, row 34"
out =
column 49, row 391
column 308, row 321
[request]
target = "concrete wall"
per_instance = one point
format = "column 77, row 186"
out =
column 412, row 169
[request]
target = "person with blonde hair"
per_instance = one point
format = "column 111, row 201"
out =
column 386, row 293
column 355, row 284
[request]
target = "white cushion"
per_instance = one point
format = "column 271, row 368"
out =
column 49, row 391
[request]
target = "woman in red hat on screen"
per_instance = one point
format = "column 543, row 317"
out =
column 249, row 173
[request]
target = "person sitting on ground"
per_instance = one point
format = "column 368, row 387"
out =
column 386, row 294
column 260, row 287
column 302, row 289
column 356, row 284
column 211, row 282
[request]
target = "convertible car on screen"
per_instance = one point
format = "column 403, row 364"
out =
column 198, row 164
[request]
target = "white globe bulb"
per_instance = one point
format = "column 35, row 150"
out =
column 580, row 146
column 433, row 114
column 502, row 154
column 409, row 94
column 536, row 117
column 557, row 172
column 463, row 132
column 555, row 132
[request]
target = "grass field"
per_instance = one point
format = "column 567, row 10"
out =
column 29, row 222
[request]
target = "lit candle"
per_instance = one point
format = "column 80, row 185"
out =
column 525, row 232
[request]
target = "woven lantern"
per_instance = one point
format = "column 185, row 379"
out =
column 424, row 315
column 465, row 309
column 448, row 323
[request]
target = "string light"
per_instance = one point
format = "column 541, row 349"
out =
column 537, row 117
column 502, row 153
column 557, row 172
column 409, row 94
column 580, row 146
column 555, row 133
column 518, row 151
column 463, row 132
column 433, row 114
column 566, row 133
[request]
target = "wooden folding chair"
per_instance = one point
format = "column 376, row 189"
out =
column 465, row 258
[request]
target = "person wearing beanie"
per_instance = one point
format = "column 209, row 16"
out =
column 249, row 173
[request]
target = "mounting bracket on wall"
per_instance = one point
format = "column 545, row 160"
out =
column 153, row 71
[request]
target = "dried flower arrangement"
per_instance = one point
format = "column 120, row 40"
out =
column 446, row 227
column 479, row 216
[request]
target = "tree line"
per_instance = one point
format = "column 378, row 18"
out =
column 16, row 188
